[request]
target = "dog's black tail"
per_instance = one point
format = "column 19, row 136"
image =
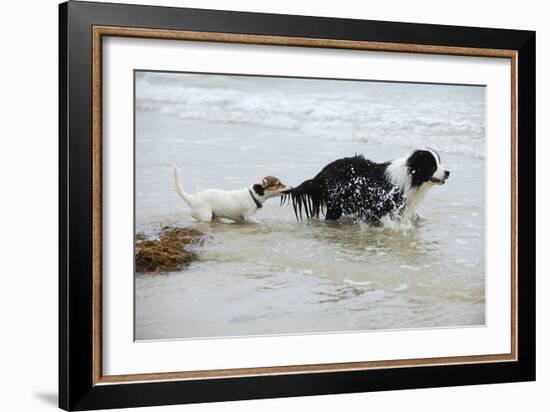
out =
column 307, row 198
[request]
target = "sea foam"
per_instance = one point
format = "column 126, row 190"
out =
column 448, row 118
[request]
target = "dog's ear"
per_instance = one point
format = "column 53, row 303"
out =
column 265, row 182
column 259, row 189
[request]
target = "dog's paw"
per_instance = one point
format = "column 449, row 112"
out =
column 417, row 218
column 253, row 220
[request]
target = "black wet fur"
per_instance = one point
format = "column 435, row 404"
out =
column 351, row 186
column 358, row 187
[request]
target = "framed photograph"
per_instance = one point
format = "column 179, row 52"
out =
column 256, row 205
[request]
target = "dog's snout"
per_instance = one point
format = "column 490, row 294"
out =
column 447, row 174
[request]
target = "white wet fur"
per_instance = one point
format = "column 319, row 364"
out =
column 400, row 176
column 440, row 171
column 211, row 204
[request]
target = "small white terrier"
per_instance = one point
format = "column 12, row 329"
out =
column 239, row 205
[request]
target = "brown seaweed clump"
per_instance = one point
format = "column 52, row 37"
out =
column 170, row 251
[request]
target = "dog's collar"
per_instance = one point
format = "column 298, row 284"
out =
column 258, row 204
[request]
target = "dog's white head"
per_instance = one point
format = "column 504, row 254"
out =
column 420, row 169
column 425, row 167
column 416, row 174
column 269, row 186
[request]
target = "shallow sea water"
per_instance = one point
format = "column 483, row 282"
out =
column 288, row 277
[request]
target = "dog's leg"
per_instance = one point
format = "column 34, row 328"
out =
column 333, row 213
column 251, row 219
column 202, row 214
column 417, row 218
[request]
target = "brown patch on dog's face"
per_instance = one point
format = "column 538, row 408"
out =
column 272, row 184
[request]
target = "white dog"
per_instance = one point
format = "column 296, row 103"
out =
column 239, row 205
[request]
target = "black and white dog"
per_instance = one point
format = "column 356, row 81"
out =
column 367, row 190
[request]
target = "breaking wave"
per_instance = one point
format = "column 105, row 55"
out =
column 447, row 118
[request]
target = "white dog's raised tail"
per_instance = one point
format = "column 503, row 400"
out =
column 179, row 188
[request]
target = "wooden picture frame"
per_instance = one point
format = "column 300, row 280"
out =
column 82, row 384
